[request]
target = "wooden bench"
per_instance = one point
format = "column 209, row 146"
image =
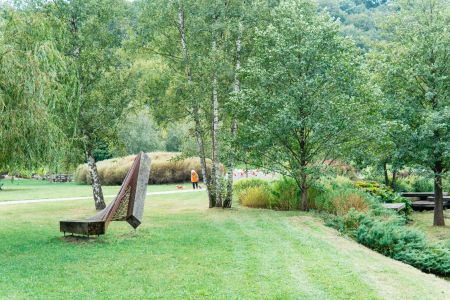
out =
column 420, row 195
column 127, row 206
column 445, row 200
column 394, row 206
column 425, row 200
column 423, row 205
column 426, row 205
column 58, row 178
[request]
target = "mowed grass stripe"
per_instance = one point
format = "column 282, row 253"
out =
column 184, row 250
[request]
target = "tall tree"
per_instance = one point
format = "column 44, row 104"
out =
column 233, row 128
column 195, row 46
column 300, row 97
column 91, row 35
column 413, row 65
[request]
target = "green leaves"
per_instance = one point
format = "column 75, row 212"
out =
column 29, row 93
column 301, row 91
column 412, row 70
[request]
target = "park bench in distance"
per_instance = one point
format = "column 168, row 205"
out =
column 127, row 206
column 425, row 200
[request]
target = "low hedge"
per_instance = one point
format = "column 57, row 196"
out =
column 387, row 234
column 165, row 168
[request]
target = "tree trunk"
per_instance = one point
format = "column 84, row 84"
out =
column 229, row 197
column 237, row 87
column 438, row 196
column 96, row 186
column 386, row 176
column 304, row 193
column 196, row 115
column 202, row 155
column 394, row 179
column 215, row 173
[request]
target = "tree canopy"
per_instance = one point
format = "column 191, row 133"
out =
column 282, row 85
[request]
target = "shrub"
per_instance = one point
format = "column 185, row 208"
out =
column 422, row 184
column 387, row 237
column 256, row 197
column 165, row 169
column 384, row 194
column 386, row 233
column 285, row 194
column 402, row 185
column 245, row 183
column 340, row 200
column 433, row 259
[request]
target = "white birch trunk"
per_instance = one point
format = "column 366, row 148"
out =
column 96, row 186
column 215, row 173
column 237, row 87
column 196, row 115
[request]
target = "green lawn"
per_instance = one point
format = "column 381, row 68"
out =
column 184, row 250
column 23, row 189
column 424, row 222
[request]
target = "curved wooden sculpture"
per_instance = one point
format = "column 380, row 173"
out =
column 127, row 206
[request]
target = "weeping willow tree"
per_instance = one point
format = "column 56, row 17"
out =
column 29, row 64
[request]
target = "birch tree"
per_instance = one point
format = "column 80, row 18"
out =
column 91, row 34
column 233, row 128
column 194, row 46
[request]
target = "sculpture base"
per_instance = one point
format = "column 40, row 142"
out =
column 82, row 227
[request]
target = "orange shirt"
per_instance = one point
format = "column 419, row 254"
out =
column 194, row 177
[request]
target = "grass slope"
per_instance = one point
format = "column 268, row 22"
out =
column 185, row 250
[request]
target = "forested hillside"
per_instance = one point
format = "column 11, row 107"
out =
column 358, row 17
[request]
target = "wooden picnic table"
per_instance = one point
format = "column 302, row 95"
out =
column 423, row 205
column 420, row 195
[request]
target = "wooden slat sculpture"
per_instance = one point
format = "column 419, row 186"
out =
column 127, row 206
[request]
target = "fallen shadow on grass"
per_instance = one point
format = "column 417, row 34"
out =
column 78, row 239
column 111, row 238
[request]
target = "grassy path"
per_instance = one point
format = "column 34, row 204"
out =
column 13, row 202
column 23, row 189
column 184, row 250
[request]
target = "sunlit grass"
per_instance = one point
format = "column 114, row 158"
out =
column 183, row 250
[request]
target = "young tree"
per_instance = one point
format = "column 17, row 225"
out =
column 300, row 97
column 91, row 34
column 413, row 65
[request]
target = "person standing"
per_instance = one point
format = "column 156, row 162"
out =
column 194, row 179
